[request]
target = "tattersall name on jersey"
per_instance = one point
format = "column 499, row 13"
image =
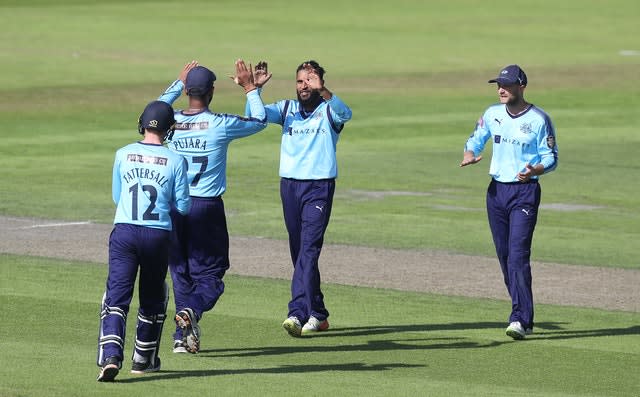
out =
column 145, row 173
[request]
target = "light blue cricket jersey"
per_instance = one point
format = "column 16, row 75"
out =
column 528, row 138
column 147, row 179
column 203, row 139
column 308, row 149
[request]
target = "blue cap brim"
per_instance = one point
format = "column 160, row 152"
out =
column 502, row 80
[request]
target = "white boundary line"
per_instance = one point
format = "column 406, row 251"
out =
column 55, row 225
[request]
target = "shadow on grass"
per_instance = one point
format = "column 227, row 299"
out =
column 369, row 346
column 586, row 333
column 284, row 369
column 544, row 331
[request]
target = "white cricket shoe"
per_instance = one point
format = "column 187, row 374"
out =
column 292, row 326
column 516, row 331
column 314, row 325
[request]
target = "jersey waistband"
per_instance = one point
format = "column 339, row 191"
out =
column 532, row 180
column 307, row 180
column 213, row 198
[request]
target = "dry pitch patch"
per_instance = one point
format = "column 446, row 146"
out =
column 409, row 270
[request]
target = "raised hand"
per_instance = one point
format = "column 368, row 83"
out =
column 244, row 76
column 312, row 79
column 183, row 74
column 261, row 74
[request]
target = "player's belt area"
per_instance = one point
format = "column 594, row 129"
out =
column 307, row 180
column 215, row 198
column 517, row 182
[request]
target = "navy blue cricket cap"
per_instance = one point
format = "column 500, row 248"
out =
column 157, row 115
column 511, row 74
column 199, row 81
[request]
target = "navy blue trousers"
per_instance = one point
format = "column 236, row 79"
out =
column 307, row 208
column 199, row 256
column 512, row 209
column 132, row 247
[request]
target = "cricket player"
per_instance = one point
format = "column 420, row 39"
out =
column 199, row 255
column 148, row 179
column 524, row 148
column 311, row 126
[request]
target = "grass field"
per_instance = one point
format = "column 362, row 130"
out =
column 77, row 73
column 395, row 344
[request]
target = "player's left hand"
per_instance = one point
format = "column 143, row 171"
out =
column 312, row 79
column 314, row 82
column 261, row 74
column 527, row 174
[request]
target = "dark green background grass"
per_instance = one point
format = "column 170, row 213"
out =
column 77, row 74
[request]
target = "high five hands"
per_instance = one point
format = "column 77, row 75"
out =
column 261, row 74
column 244, row 76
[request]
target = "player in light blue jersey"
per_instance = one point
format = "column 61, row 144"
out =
column 199, row 255
column 524, row 147
column 311, row 126
column 148, row 179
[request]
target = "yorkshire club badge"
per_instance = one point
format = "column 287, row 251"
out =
column 525, row 128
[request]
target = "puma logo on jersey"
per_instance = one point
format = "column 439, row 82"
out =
column 525, row 211
column 320, row 208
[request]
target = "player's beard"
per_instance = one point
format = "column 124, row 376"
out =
column 312, row 102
